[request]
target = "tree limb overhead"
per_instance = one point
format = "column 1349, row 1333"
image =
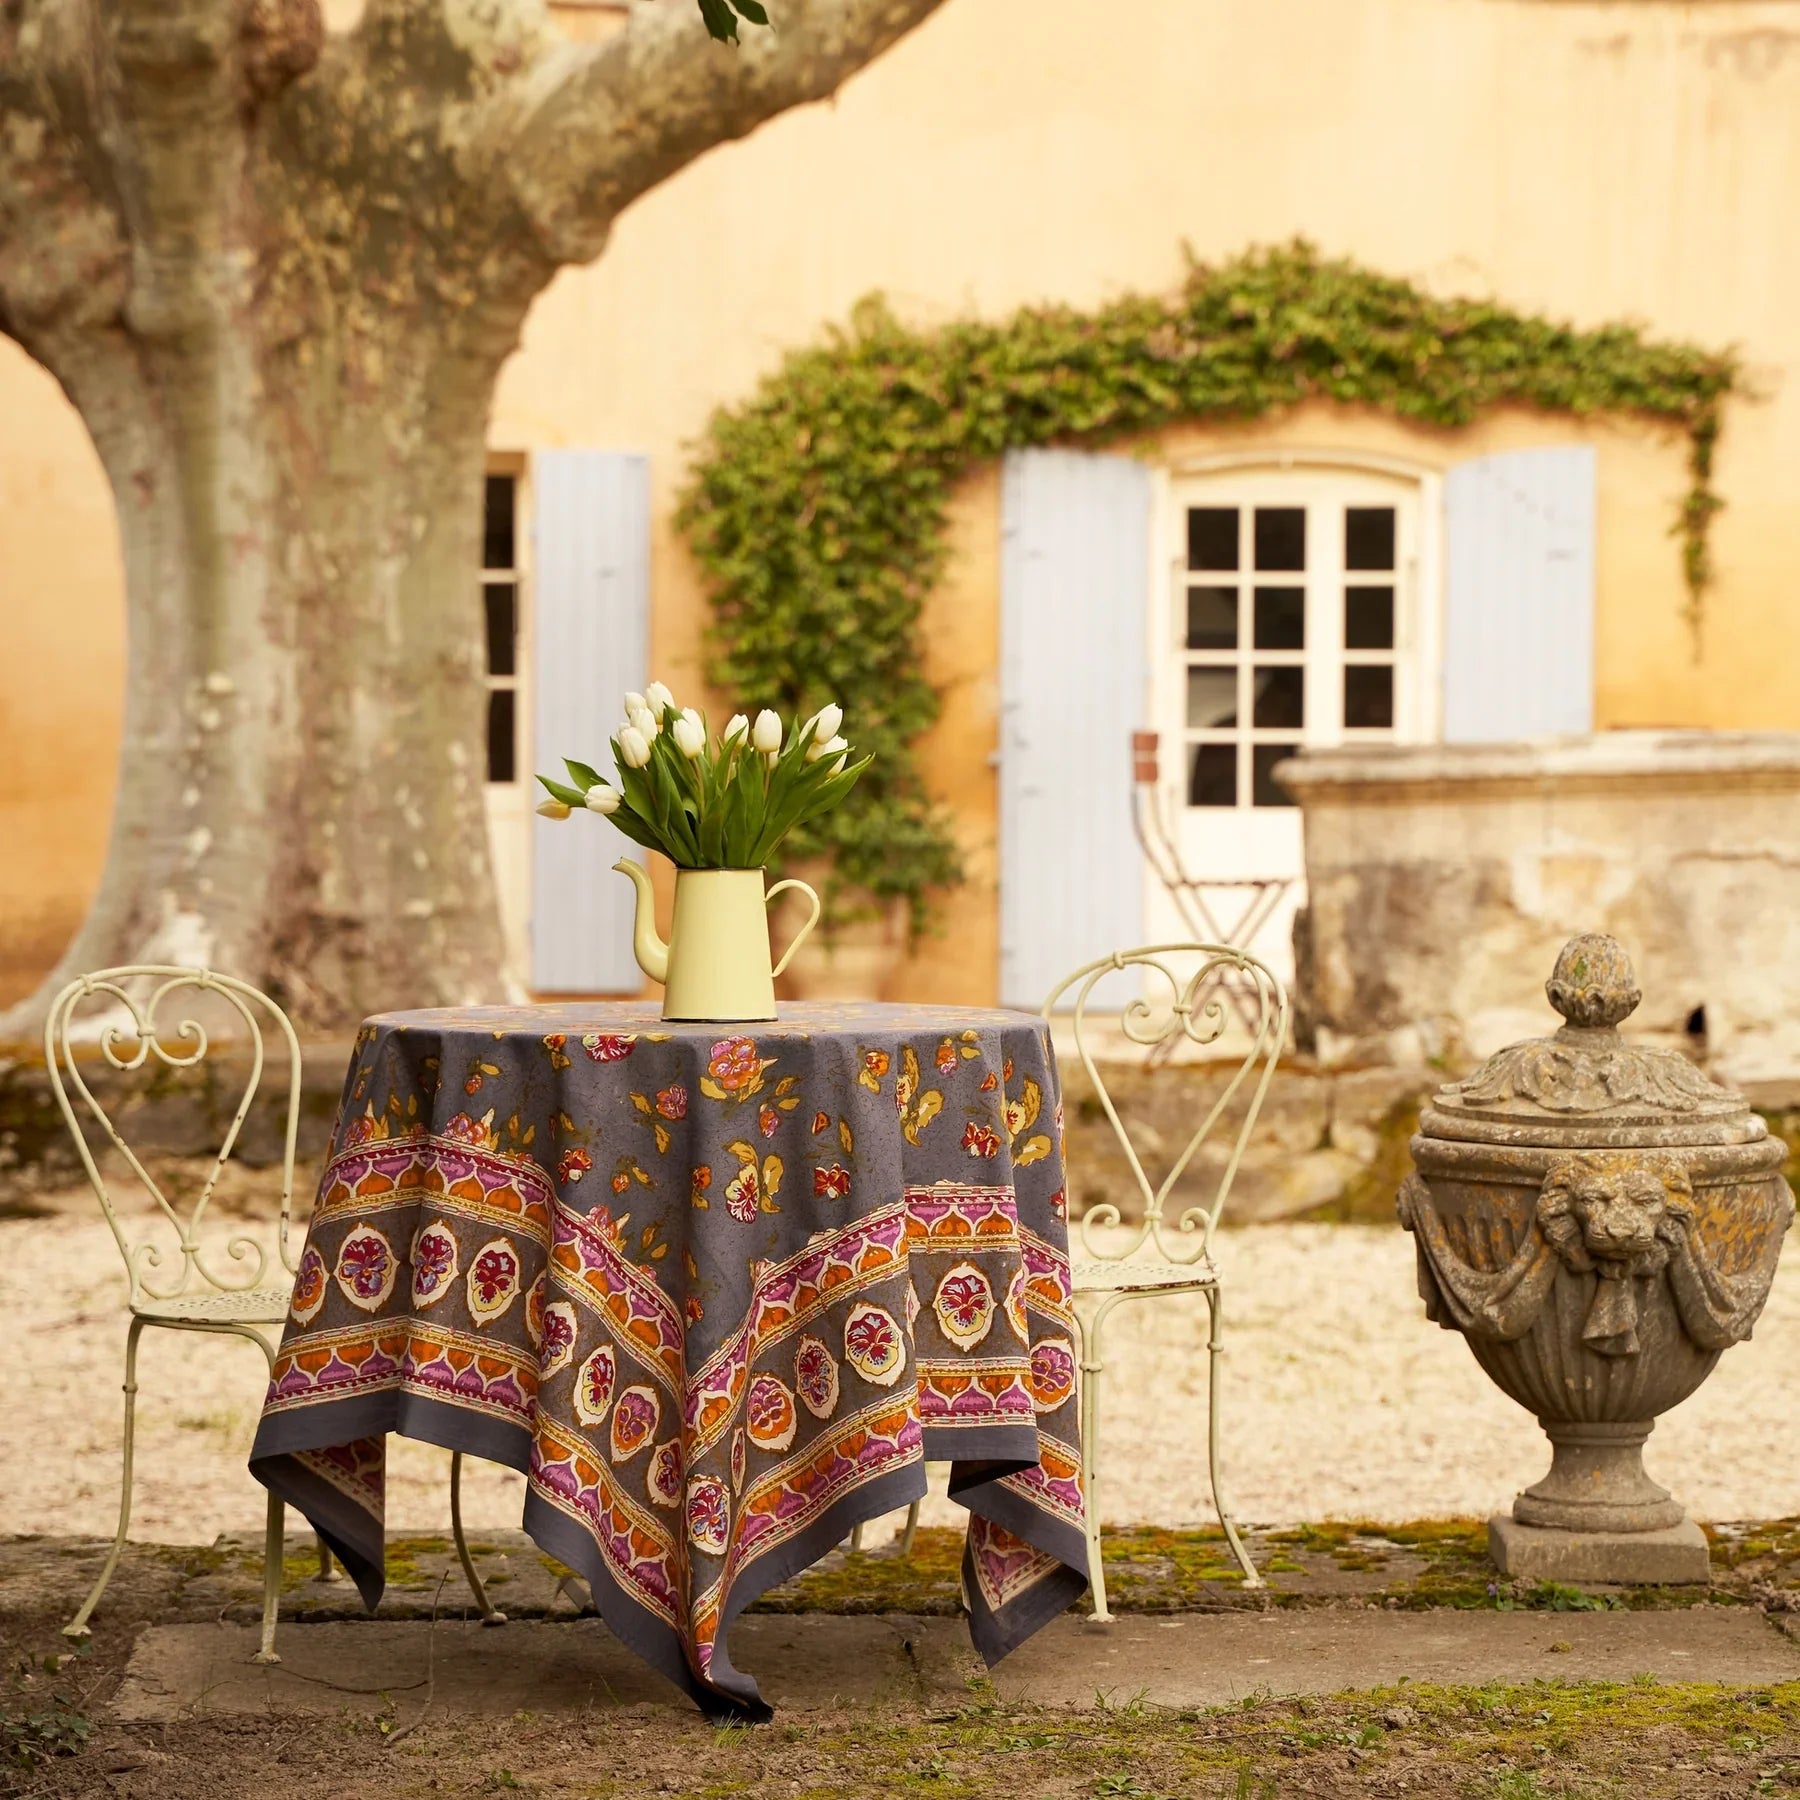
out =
column 603, row 123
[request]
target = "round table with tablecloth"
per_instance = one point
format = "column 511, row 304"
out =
column 719, row 1291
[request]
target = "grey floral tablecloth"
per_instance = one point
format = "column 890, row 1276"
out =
column 718, row 1291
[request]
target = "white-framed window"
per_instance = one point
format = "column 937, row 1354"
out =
column 502, row 598
column 506, row 626
column 1296, row 605
column 1293, row 621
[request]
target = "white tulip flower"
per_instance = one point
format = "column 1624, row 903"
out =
column 554, row 809
column 644, row 722
column 825, row 722
column 634, row 747
column 817, row 752
column 604, row 799
column 766, row 733
column 634, row 702
column 737, row 726
column 689, row 735
column 659, row 698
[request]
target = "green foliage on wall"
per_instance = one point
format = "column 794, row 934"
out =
column 817, row 507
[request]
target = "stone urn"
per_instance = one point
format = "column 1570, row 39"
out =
column 1600, row 1220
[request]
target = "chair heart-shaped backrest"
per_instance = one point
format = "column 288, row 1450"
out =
column 128, row 1013
column 1196, row 1009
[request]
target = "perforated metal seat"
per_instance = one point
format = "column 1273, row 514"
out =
column 249, row 1306
column 1093, row 1276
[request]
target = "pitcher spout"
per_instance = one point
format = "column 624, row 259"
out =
column 651, row 952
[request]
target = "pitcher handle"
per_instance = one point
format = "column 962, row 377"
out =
column 805, row 930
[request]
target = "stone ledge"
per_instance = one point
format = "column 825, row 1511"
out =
column 1610, row 761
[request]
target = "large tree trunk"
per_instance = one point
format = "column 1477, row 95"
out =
column 278, row 273
column 300, row 789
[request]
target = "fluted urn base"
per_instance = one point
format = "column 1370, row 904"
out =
column 1597, row 1481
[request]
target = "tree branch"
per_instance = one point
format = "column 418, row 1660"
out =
column 63, row 256
column 591, row 128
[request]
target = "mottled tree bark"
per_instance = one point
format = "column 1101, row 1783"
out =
column 277, row 271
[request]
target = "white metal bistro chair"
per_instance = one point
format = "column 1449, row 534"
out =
column 222, row 1284
column 1170, row 1252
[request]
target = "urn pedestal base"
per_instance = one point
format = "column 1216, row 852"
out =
column 1673, row 1557
column 1597, row 1482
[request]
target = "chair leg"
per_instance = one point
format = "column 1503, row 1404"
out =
column 274, row 1551
column 1215, row 1348
column 1091, row 1366
column 77, row 1627
column 328, row 1570
column 856, row 1535
column 489, row 1614
column 912, row 1529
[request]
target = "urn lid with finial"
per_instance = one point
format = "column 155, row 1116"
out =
column 1586, row 1086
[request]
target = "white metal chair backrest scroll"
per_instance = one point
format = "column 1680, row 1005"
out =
column 1170, row 1250
column 128, row 1024
column 182, row 1276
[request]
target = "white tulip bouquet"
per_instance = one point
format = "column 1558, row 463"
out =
column 708, row 803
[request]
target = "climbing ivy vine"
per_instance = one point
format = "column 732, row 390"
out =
column 817, row 507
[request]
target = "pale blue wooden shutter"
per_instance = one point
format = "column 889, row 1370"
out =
column 1519, row 596
column 591, row 632
column 1074, row 583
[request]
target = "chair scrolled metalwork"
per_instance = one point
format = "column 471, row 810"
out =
column 1169, row 1252
column 208, row 1281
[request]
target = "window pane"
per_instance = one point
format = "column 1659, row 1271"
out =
column 1368, row 537
column 1212, row 775
column 497, row 535
column 1369, row 618
column 1212, row 537
column 1369, row 698
column 1211, row 698
column 502, row 763
column 1280, row 697
column 1263, row 788
column 1281, row 537
column 1280, row 618
column 501, row 599
column 1212, row 622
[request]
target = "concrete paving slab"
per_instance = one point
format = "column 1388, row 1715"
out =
column 810, row 1661
column 801, row 1662
column 1212, row 1659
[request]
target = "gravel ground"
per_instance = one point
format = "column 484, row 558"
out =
column 1342, row 1402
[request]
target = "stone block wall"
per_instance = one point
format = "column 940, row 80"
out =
column 1442, row 880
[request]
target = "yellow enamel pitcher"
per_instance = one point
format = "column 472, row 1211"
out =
column 716, row 965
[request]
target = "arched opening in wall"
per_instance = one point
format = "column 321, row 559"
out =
column 1300, row 608
column 62, row 681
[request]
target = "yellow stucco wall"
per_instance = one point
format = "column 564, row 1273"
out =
column 62, row 677
column 1598, row 161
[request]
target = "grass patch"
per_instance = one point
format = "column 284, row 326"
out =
column 414, row 1565
column 1414, row 1566
column 1768, row 1552
column 1497, row 1742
